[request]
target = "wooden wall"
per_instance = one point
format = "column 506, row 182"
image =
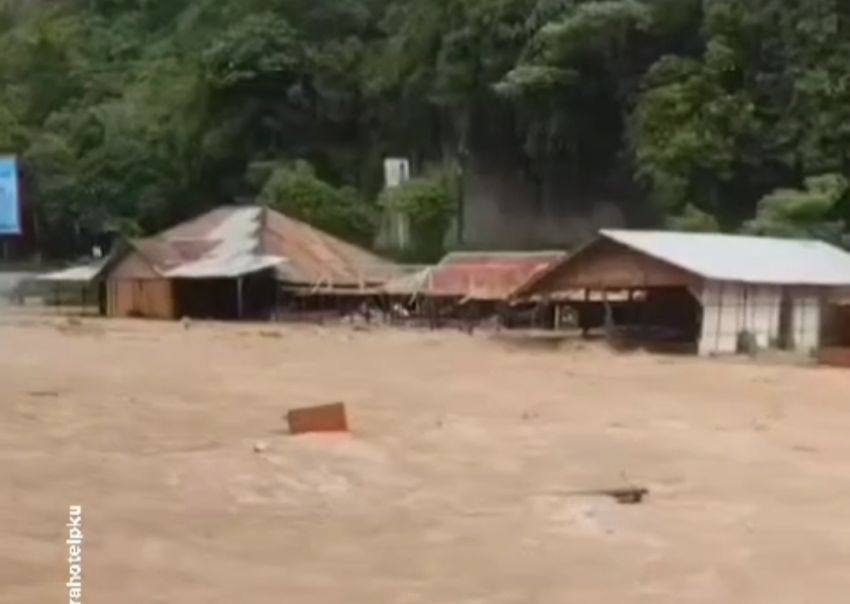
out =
column 146, row 298
column 609, row 265
column 135, row 289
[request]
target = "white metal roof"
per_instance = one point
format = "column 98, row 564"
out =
column 235, row 251
column 743, row 259
column 224, row 267
column 74, row 274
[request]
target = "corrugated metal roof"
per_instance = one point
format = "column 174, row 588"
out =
column 225, row 267
column 413, row 281
column 223, row 243
column 321, row 260
column 477, row 275
column 232, row 241
column 502, row 258
column 74, row 274
column 744, row 259
column 233, row 249
column 167, row 255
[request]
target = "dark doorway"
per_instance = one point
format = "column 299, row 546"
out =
column 658, row 318
column 786, row 322
column 226, row 299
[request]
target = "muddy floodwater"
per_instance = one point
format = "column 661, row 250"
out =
column 456, row 486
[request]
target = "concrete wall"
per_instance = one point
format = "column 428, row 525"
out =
column 730, row 308
column 806, row 322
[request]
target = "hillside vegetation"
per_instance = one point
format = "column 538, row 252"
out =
column 131, row 114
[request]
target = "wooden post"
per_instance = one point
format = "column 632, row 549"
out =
column 608, row 321
column 719, row 327
column 239, row 309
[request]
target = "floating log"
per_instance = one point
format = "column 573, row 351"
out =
column 623, row 495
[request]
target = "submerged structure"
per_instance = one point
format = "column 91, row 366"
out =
column 715, row 293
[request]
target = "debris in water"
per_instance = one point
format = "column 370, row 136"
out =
column 623, row 496
column 325, row 418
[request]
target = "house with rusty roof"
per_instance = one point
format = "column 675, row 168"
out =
column 230, row 262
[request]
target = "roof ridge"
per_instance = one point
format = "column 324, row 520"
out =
column 702, row 234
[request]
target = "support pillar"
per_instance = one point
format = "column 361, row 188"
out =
column 239, row 303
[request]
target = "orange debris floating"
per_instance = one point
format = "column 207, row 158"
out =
column 324, row 418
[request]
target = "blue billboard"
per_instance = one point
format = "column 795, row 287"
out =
column 10, row 206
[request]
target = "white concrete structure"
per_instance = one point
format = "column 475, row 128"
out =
column 396, row 172
column 775, row 316
column 772, row 289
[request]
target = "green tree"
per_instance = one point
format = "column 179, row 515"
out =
column 132, row 114
column 808, row 212
column 430, row 204
column 296, row 191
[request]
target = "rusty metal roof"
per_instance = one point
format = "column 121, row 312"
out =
column 488, row 276
column 318, row 259
column 223, row 243
column 232, row 241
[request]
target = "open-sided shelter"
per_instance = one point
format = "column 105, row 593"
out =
column 718, row 292
column 481, row 276
column 475, row 284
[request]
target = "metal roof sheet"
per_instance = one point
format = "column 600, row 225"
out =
column 225, row 267
column 321, row 260
column 745, row 259
column 476, row 275
column 232, row 241
column 74, row 274
column 413, row 281
column 228, row 249
column 503, row 258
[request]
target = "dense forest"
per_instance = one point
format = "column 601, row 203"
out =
column 706, row 114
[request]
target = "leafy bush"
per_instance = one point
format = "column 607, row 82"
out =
column 694, row 220
column 809, row 212
column 297, row 191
